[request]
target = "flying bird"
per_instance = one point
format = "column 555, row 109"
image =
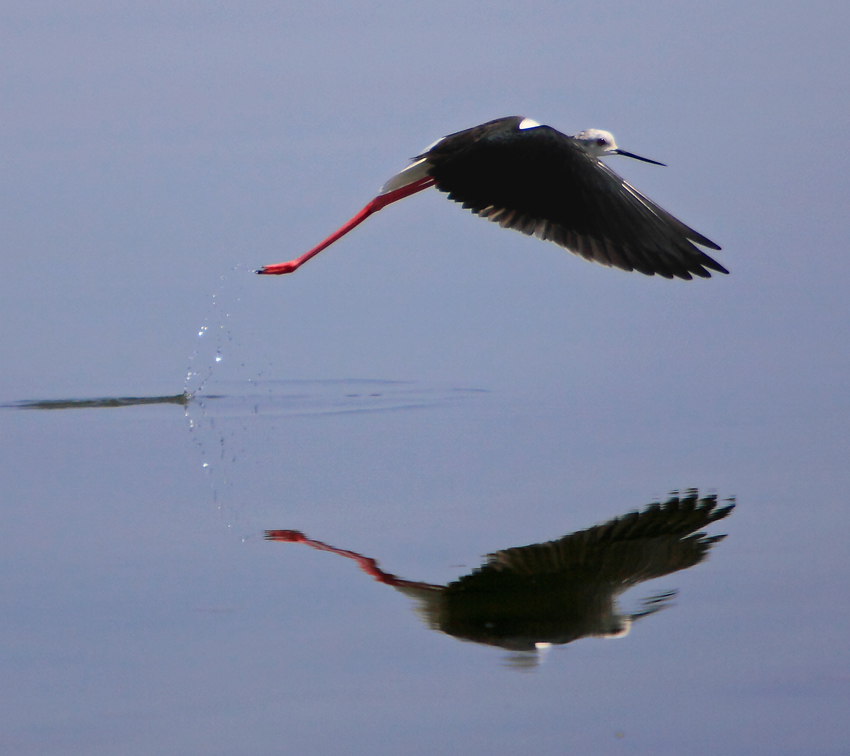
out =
column 534, row 179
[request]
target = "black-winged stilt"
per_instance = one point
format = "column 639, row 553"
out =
column 534, row 179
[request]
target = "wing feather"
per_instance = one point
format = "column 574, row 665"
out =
column 539, row 182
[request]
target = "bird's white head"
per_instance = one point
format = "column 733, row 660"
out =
column 598, row 143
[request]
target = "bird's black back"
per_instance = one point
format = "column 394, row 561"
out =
column 541, row 182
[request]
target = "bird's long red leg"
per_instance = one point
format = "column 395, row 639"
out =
column 381, row 201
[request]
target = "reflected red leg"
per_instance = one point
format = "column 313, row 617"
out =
column 367, row 564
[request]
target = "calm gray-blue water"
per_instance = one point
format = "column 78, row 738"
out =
column 386, row 505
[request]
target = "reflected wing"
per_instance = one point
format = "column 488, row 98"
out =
column 625, row 551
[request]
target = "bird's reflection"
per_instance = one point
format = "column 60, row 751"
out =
column 528, row 598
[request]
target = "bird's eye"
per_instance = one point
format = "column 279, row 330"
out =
column 601, row 141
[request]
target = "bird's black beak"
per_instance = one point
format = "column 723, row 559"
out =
column 638, row 157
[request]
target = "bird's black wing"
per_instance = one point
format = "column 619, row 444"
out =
column 539, row 182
